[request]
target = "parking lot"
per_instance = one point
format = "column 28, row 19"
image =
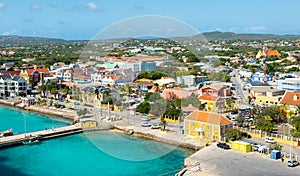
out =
column 217, row 161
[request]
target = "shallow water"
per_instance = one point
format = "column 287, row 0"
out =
column 17, row 119
column 91, row 153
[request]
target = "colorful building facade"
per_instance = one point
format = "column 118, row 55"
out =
column 207, row 126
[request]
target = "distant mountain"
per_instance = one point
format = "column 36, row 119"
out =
column 216, row 35
column 14, row 40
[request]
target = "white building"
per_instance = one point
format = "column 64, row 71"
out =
column 12, row 86
column 188, row 80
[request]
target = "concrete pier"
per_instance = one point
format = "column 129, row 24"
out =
column 44, row 134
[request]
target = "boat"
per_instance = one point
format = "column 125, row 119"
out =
column 8, row 132
column 31, row 141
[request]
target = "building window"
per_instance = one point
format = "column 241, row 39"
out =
column 207, row 127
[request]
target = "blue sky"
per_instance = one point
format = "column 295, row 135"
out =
column 82, row 19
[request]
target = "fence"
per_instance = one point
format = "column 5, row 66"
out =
column 287, row 140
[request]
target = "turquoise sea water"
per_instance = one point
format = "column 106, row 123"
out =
column 16, row 119
column 91, row 153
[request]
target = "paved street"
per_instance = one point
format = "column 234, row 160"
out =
column 98, row 114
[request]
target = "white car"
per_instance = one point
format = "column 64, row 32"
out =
column 270, row 140
column 155, row 126
column 145, row 124
column 145, row 118
column 262, row 149
column 256, row 147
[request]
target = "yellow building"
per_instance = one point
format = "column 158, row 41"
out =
column 206, row 126
column 266, row 96
column 265, row 52
column 290, row 102
column 88, row 123
column 212, row 103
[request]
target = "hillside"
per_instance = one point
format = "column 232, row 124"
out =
column 14, row 40
column 216, row 35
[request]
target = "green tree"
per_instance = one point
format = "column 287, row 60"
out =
column 144, row 107
column 234, row 134
column 42, row 89
column 82, row 112
column 262, row 124
column 275, row 146
column 174, row 113
column 295, row 122
column 163, row 123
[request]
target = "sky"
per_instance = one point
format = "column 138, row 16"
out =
column 83, row 19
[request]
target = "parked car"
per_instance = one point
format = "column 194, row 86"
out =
column 145, row 124
column 253, row 143
column 256, row 147
column 145, row 118
column 270, row 140
column 228, row 117
column 235, row 112
column 155, row 126
column 223, row 145
column 262, row 149
column 293, row 163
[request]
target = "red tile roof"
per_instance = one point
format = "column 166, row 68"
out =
column 208, row 97
column 273, row 53
column 41, row 70
column 291, row 98
column 12, row 73
column 207, row 117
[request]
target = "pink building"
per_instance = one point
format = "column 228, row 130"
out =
column 216, row 90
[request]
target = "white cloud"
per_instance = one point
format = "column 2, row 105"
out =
column 93, row 6
column 12, row 32
column 2, row 5
column 35, row 7
column 256, row 28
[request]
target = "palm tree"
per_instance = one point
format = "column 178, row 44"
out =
column 97, row 93
column 163, row 122
column 249, row 99
column 38, row 101
column 42, row 89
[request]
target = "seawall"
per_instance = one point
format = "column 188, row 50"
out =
column 160, row 136
column 68, row 114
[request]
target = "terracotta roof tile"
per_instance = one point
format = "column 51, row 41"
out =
column 208, row 117
column 291, row 98
column 208, row 97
